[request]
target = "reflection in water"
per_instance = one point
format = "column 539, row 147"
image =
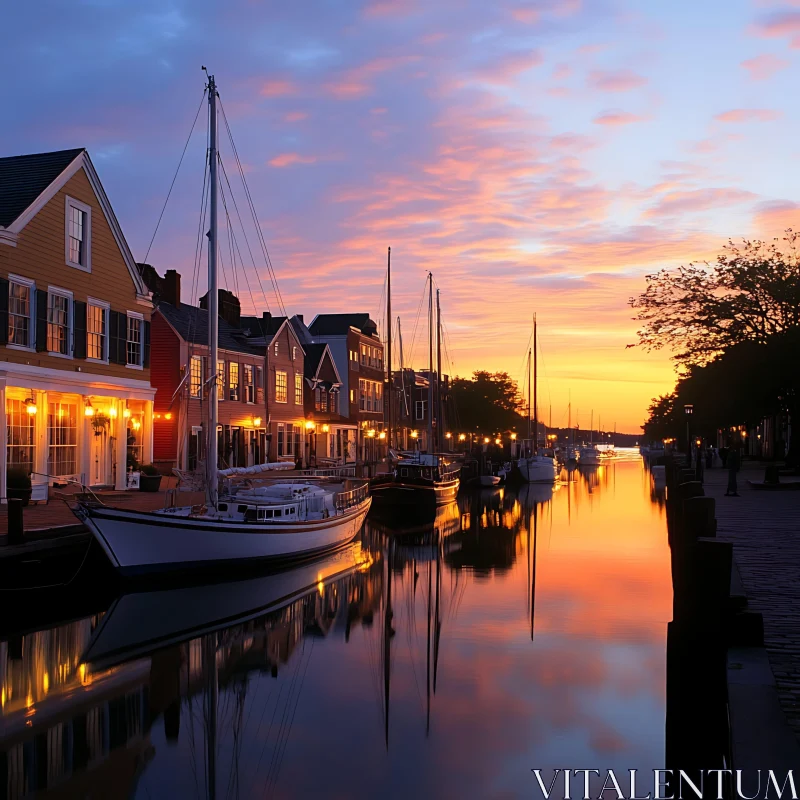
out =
column 518, row 629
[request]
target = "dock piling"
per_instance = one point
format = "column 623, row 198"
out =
column 15, row 526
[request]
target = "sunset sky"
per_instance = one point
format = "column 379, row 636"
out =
column 535, row 156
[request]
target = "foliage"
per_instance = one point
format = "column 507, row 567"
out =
column 751, row 293
column 17, row 478
column 489, row 401
column 149, row 469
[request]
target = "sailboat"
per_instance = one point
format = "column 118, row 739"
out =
column 535, row 468
column 424, row 480
column 251, row 520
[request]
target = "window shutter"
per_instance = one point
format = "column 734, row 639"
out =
column 115, row 347
column 79, row 328
column 41, row 320
column 3, row 311
column 145, row 344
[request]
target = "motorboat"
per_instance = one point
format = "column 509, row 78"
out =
column 589, row 457
column 425, row 480
column 538, row 469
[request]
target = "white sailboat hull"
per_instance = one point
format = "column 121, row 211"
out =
column 139, row 543
column 538, row 469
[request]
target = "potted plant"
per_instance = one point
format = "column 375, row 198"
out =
column 150, row 478
column 18, row 485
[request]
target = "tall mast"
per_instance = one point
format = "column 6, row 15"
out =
column 213, row 301
column 389, row 404
column 529, row 394
column 439, row 407
column 430, row 363
column 591, row 428
column 569, row 423
column 535, row 392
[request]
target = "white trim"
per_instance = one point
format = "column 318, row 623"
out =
column 277, row 333
column 31, row 285
column 7, row 237
column 55, row 291
column 66, row 381
column 106, row 307
column 140, row 317
column 71, row 202
column 82, row 161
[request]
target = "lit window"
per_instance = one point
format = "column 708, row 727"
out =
column 20, row 453
column 220, row 380
column 195, row 376
column 294, row 353
column 249, row 384
column 320, row 400
column 58, row 323
column 298, row 389
column 280, row 387
column 364, row 355
column 276, row 348
column 362, row 395
column 62, row 433
column 78, row 234
column 96, row 332
column 233, row 381
column 259, row 384
column 134, row 342
column 19, row 313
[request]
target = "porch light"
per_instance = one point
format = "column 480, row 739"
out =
column 30, row 406
column 256, row 422
column 414, row 434
column 310, row 425
column 326, row 428
column 497, row 441
column 168, row 415
column 382, row 435
column 513, row 437
column 89, row 410
column 698, row 442
column 136, row 424
column 486, row 440
column 112, row 412
column 371, row 433
column 126, row 413
column 462, row 437
column 448, row 435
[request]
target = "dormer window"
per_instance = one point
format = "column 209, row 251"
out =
column 78, row 235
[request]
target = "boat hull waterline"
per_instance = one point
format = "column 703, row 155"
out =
column 538, row 469
column 139, row 543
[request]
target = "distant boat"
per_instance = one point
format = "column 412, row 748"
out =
column 589, row 457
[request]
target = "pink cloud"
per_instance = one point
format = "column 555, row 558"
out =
column 764, row 66
column 779, row 24
column 295, row 116
column 357, row 82
column 525, row 14
column 277, row 88
column 290, row 159
column 562, row 72
column 506, row 70
column 748, row 115
column 772, row 219
column 697, row 200
column 615, row 81
column 389, row 8
column 617, row 118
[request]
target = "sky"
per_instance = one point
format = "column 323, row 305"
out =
column 534, row 156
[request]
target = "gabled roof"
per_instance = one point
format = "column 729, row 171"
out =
column 315, row 355
column 303, row 333
column 337, row 324
column 265, row 326
column 191, row 324
column 24, row 178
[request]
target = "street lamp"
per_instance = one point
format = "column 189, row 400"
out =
column 688, row 410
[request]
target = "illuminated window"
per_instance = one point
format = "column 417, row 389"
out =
column 249, row 383
column 62, row 433
column 298, row 389
column 21, row 440
column 280, row 387
column 233, row 381
column 58, row 323
column 134, row 342
column 195, row 376
column 320, row 400
column 364, row 355
column 97, row 331
column 294, row 353
column 276, row 348
column 221, row 380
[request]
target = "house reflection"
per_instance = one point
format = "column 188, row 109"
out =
column 68, row 731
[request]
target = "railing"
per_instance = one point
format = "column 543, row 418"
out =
column 346, row 500
column 330, row 472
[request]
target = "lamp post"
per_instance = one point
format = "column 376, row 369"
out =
column 688, row 410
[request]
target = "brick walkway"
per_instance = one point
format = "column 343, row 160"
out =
column 764, row 527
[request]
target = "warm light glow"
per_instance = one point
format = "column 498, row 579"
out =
column 486, row 440
column 513, row 437
column 28, row 701
column 310, row 425
column 414, row 434
column 321, row 587
column 448, row 435
column 698, row 442
column 326, row 428
column 382, row 435
column 157, row 416
column 497, row 441
column 126, row 413
column 31, row 408
column 371, row 433
column 256, row 422
column 462, row 437
column 168, row 415
column 88, row 411
column 112, row 412
column 46, row 682
column 136, row 424
column 3, row 697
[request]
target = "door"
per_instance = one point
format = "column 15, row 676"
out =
column 101, row 459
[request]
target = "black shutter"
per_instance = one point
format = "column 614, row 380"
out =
column 146, row 344
column 79, row 328
column 3, row 311
column 114, row 344
column 41, row 320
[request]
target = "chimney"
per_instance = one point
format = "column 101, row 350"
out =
column 266, row 319
column 171, row 288
column 300, row 317
column 228, row 307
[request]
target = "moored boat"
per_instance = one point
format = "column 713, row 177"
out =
column 425, row 481
column 589, row 457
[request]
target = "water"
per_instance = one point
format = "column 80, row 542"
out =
column 530, row 635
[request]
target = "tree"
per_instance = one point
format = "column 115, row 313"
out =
column 751, row 293
column 489, row 401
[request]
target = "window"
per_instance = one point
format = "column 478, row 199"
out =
column 276, row 348
column 364, row 355
column 298, row 389
column 249, row 384
column 333, row 402
column 352, row 396
column 220, row 380
column 134, row 341
column 21, row 441
column 370, row 395
column 97, row 331
column 259, row 385
column 320, row 400
column 421, row 407
column 281, row 438
column 233, row 381
column 280, row 387
column 62, row 431
column 353, row 355
column 195, row 376
column 294, row 353
column 78, row 234
column 20, row 293
column 58, row 323
column 362, row 395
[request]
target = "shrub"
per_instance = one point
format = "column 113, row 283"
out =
column 17, row 478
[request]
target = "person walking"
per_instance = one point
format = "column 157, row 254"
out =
column 723, row 456
column 733, row 468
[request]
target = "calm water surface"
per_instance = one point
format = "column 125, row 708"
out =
column 530, row 632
